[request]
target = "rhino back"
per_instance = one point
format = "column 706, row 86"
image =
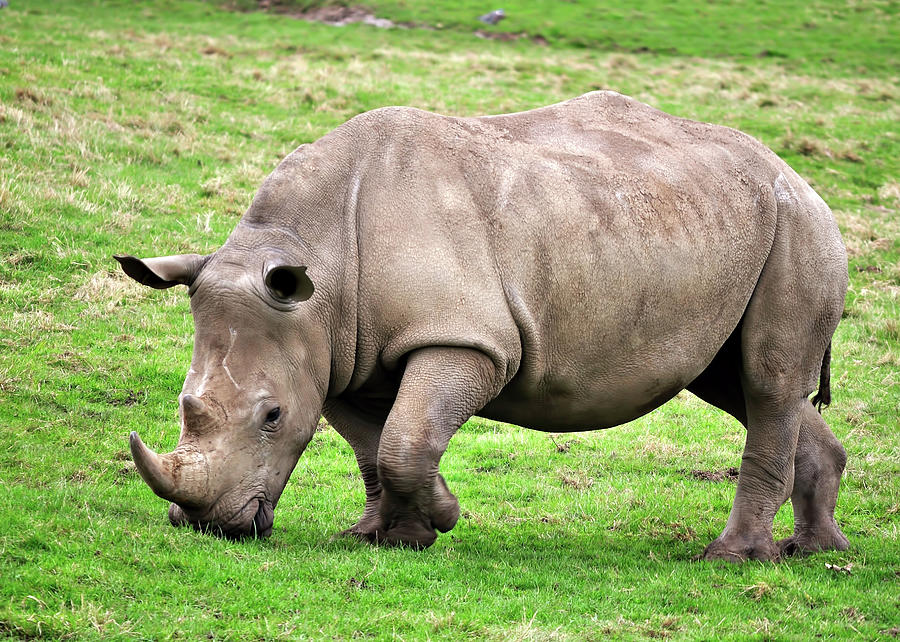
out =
column 600, row 251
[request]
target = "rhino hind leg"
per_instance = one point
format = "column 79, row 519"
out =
column 764, row 484
column 441, row 388
column 818, row 465
column 819, row 461
column 362, row 431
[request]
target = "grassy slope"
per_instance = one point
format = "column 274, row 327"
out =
column 146, row 128
column 802, row 33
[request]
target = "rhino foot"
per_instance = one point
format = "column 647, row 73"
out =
column 806, row 541
column 407, row 526
column 366, row 529
column 417, row 530
column 444, row 510
column 409, row 533
column 412, row 534
column 742, row 548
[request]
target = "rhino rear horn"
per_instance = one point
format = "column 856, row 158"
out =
column 163, row 271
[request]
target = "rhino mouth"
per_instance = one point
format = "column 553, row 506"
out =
column 244, row 524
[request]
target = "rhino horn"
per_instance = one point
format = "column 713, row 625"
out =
column 195, row 413
column 181, row 476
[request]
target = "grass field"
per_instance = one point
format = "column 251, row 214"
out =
column 145, row 128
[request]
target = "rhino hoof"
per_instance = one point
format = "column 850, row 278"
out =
column 741, row 551
column 409, row 534
column 368, row 537
column 365, row 529
column 445, row 510
column 807, row 542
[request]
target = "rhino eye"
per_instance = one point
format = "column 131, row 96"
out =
column 273, row 415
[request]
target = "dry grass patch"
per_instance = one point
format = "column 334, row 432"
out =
column 94, row 90
column 576, row 479
column 528, row 631
column 812, row 146
column 18, row 117
column 35, row 96
column 21, row 257
column 76, row 198
column 890, row 191
column 890, row 359
column 870, row 230
column 112, row 287
column 858, row 414
column 6, row 193
column 78, row 176
column 31, row 323
column 225, row 188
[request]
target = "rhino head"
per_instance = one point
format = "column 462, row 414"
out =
column 255, row 389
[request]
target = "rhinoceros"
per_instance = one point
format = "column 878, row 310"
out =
column 567, row 268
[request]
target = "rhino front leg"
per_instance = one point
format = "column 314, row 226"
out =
column 362, row 430
column 441, row 388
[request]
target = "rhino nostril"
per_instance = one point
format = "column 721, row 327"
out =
column 177, row 516
column 263, row 519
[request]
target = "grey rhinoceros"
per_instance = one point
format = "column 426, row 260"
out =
column 567, row 268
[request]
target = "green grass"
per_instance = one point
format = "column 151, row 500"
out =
column 802, row 34
column 146, row 128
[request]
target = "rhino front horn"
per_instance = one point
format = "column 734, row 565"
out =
column 180, row 476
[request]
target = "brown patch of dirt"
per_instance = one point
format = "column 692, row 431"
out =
column 683, row 533
column 337, row 16
column 79, row 476
column 128, row 469
column 577, row 482
column 358, row 584
column 129, row 398
column 340, row 16
column 505, row 36
column 214, row 50
column 564, row 447
column 729, row 474
column 29, row 95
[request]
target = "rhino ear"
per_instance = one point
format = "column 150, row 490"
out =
column 289, row 283
column 163, row 271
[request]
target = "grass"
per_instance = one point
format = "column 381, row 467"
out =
column 809, row 35
column 146, row 127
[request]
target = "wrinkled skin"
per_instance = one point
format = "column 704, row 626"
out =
column 568, row 268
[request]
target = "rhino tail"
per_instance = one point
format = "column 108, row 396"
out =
column 823, row 396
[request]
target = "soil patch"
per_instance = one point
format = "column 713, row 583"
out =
column 337, row 16
column 729, row 474
column 340, row 16
column 504, row 36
